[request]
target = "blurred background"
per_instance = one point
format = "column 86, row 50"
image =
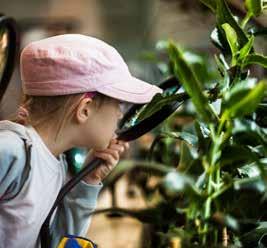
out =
column 134, row 28
column 131, row 26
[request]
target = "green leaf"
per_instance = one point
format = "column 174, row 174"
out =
column 240, row 200
column 223, row 67
column 245, row 50
column 232, row 41
column 193, row 58
column 219, row 41
column 255, row 237
column 250, row 170
column 161, row 45
column 187, row 156
column 254, row 7
column 248, row 103
column 224, row 15
column 175, row 183
column 252, row 184
column 149, row 56
column 158, row 102
column 188, row 137
column 210, row 3
column 256, row 59
column 236, row 155
column 237, row 92
column 247, row 132
column 191, row 84
column 261, row 150
column 203, row 141
column 261, row 114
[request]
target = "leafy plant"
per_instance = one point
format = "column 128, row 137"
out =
column 216, row 197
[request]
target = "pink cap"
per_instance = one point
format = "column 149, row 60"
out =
column 75, row 63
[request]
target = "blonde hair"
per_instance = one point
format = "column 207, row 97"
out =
column 46, row 109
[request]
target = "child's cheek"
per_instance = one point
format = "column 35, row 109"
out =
column 101, row 144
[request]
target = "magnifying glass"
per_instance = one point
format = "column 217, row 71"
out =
column 138, row 120
column 9, row 44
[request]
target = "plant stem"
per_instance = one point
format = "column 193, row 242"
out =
column 207, row 209
column 214, row 173
column 224, row 237
column 215, row 236
column 175, row 243
column 220, row 191
column 245, row 20
column 222, row 121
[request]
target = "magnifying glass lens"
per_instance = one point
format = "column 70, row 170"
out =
column 134, row 118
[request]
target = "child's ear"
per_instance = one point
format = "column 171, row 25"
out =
column 84, row 110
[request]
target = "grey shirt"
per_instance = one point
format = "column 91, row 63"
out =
column 29, row 186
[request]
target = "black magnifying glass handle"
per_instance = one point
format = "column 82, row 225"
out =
column 92, row 165
column 45, row 230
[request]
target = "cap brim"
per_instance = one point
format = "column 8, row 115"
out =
column 133, row 91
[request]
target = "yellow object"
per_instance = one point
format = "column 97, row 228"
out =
column 76, row 242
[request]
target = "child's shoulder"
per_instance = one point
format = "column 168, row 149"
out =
column 12, row 163
column 11, row 142
column 12, row 146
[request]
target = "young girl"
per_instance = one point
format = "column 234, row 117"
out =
column 73, row 88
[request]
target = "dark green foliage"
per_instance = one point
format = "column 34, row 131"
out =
column 220, row 181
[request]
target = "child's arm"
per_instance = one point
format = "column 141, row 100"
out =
column 72, row 217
